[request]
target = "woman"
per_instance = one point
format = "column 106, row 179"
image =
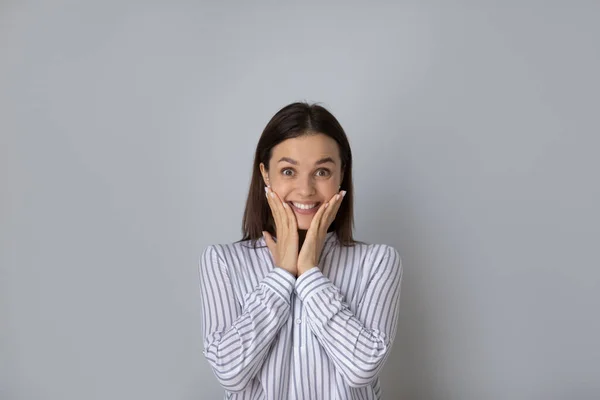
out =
column 298, row 309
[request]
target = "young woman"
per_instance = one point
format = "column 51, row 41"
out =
column 297, row 309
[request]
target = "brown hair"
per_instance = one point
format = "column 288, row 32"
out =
column 294, row 120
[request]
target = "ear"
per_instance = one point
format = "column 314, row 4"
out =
column 264, row 173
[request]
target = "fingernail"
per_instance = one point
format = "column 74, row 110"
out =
column 266, row 189
column 285, row 205
column 343, row 193
column 272, row 194
column 326, row 204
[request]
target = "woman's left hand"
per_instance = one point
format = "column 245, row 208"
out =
column 315, row 236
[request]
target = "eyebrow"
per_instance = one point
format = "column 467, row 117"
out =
column 321, row 161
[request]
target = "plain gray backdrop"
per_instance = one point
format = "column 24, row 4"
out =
column 127, row 136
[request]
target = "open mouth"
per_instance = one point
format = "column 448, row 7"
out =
column 304, row 208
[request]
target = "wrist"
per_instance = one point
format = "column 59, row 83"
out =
column 304, row 268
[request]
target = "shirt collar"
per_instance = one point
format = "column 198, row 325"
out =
column 328, row 237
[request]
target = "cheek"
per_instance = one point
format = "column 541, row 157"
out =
column 282, row 190
column 328, row 191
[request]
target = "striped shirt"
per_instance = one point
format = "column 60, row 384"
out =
column 323, row 335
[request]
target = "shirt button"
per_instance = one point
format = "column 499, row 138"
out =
column 298, row 321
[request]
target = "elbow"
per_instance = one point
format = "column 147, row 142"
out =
column 364, row 373
column 233, row 379
column 234, row 387
column 362, row 381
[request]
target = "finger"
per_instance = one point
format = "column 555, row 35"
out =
column 273, row 206
column 281, row 209
column 271, row 245
column 316, row 221
column 328, row 208
column 332, row 209
column 292, row 221
column 270, row 242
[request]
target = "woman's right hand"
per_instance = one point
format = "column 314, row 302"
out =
column 285, row 250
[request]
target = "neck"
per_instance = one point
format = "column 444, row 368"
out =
column 301, row 237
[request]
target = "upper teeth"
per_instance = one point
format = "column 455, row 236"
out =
column 304, row 206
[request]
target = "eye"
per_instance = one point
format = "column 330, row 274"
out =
column 325, row 172
column 285, row 171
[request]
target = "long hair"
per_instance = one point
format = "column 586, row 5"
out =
column 292, row 121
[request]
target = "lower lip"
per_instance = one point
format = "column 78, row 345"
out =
column 305, row 212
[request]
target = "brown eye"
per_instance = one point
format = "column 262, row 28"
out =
column 325, row 172
column 284, row 172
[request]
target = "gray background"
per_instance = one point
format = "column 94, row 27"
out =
column 127, row 136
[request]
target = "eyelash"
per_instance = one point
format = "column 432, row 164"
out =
column 290, row 169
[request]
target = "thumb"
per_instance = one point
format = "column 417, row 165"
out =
column 270, row 242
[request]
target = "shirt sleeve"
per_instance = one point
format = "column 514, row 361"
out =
column 357, row 343
column 236, row 340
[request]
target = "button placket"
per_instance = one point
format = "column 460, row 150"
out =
column 298, row 324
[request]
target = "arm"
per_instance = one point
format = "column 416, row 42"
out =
column 357, row 343
column 236, row 341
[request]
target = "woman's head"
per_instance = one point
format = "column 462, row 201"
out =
column 303, row 154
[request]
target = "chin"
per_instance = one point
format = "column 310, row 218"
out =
column 304, row 221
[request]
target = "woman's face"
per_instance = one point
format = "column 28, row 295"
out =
column 305, row 171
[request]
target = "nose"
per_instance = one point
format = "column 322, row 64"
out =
column 306, row 186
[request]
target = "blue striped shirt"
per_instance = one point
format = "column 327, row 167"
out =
column 323, row 335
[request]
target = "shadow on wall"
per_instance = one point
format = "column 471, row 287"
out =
column 410, row 370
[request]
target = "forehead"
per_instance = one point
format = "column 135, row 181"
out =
column 307, row 149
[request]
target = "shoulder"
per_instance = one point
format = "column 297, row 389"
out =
column 380, row 251
column 373, row 252
column 384, row 258
column 230, row 252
